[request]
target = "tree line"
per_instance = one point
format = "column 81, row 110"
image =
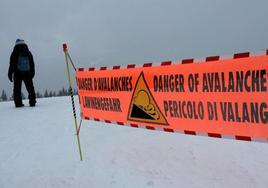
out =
column 46, row 94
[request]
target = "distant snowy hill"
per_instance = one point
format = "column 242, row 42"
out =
column 38, row 149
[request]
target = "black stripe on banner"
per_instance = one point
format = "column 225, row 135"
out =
column 134, row 125
column 120, row 123
column 131, row 66
column 215, row 135
column 189, row 132
column 187, row 61
column 147, row 64
column 165, row 63
column 241, row 55
column 150, row 128
column 116, row 67
column 244, row 138
column 103, row 68
column 169, row 130
column 212, row 58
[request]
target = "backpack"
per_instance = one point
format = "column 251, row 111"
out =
column 23, row 63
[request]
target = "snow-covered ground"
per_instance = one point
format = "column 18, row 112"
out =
column 38, row 149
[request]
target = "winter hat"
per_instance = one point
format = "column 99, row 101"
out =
column 20, row 41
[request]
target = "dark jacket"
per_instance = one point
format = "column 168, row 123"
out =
column 18, row 49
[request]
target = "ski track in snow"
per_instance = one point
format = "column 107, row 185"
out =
column 39, row 149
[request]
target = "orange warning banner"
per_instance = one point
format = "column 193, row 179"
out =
column 217, row 97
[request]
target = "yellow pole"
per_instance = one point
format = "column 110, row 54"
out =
column 72, row 98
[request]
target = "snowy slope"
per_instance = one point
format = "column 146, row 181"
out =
column 38, row 149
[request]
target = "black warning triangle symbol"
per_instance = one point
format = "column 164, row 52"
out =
column 143, row 107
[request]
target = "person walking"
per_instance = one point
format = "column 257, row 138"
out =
column 21, row 68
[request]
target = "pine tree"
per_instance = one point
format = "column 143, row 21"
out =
column 59, row 93
column 46, row 94
column 50, row 94
column 38, row 95
column 4, row 96
column 64, row 92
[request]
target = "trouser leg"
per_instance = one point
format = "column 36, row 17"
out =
column 30, row 88
column 17, row 91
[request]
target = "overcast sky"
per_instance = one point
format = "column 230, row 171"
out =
column 120, row 32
